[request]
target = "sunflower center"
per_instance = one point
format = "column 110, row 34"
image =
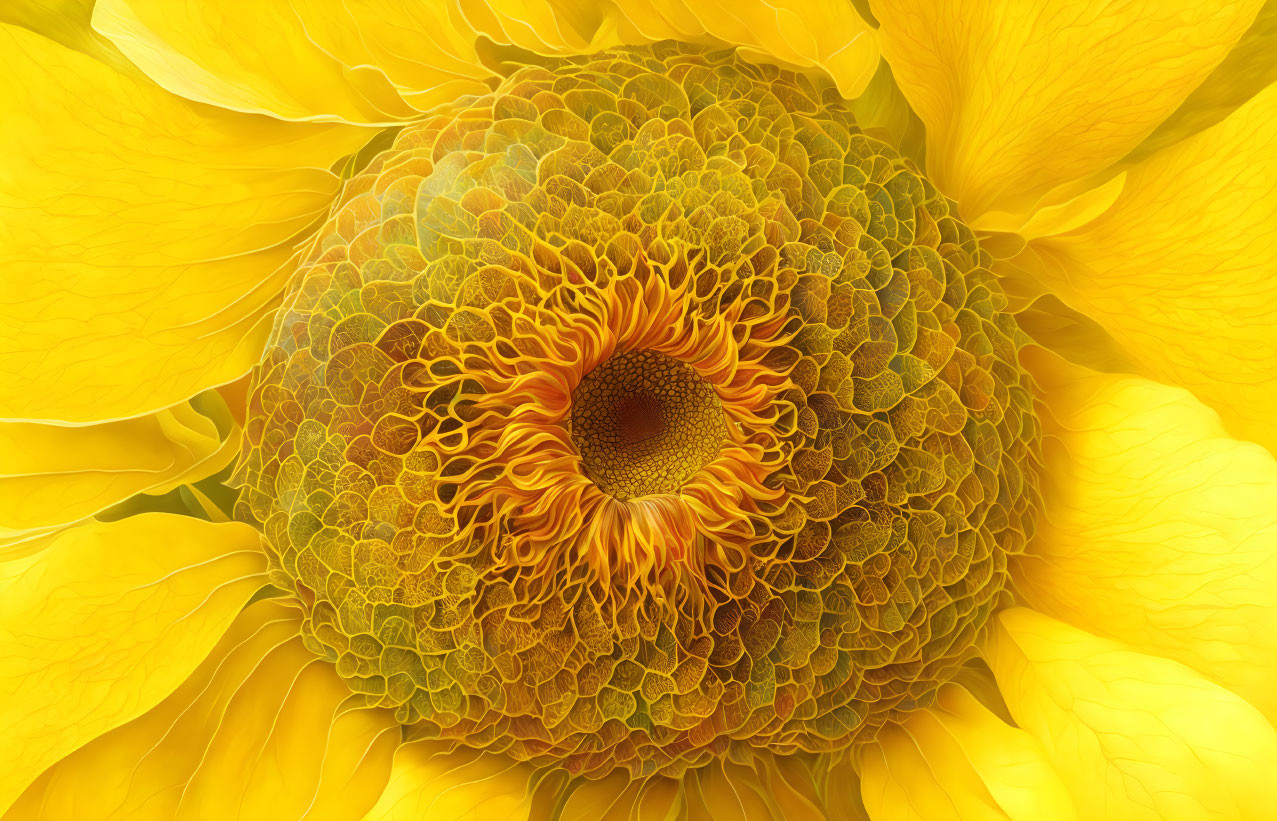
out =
column 643, row 411
column 645, row 423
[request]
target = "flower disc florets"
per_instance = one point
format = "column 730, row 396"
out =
column 642, row 408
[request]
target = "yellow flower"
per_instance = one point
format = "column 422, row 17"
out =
column 656, row 408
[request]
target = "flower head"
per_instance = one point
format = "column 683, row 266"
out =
column 576, row 410
column 642, row 407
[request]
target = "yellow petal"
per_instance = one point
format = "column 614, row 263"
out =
column 430, row 51
column 727, row 791
column 1019, row 98
column 1158, row 530
column 107, row 621
column 66, row 22
column 621, row 797
column 361, row 749
column 145, row 238
column 958, row 760
column 435, row 780
column 614, row 796
column 52, row 476
column 247, row 57
column 844, row 800
column 825, row 34
column 141, row 768
column 882, row 111
column 1133, row 737
column 790, row 784
column 1180, row 269
column 292, row 743
column 146, row 768
column 1248, row 69
column 378, row 60
column 1048, row 219
column 1065, row 330
column 366, row 61
column 899, row 782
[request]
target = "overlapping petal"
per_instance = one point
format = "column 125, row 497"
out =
column 1133, row 737
column 143, row 766
column 292, row 743
column 441, row 780
column 1019, row 98
column 1159, row 529
column 958, row 760
column 172, row 761
column 763, row 786
column 1179, row 271
column 825, row 34
column 884, row 113
column 844, row 799
column 1248, row 69
column 739, row 788
column 145, row 239
column 52, row 476
column 104, row 623
column 254, row 57
column 619, row 796
column 371, row 61
column 67, row 22
column 728, row 791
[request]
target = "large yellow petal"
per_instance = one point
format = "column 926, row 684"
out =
column 882, row 111
column 107, row 621
column 145, row 239
column 249, row 693
column 844, row 799
column 1019, row 98
column 67, row 22
column 436, row 780
column 729, row 791
column 1158, row 530
column 791, row 783
column 1180, row 269
column 141, row 768
column 380, row 60
column 824, row 34
column 360, row 61
column 726, row 791
column 252, row 57
column 1248, row 69
column 431, row 50
column 52, row 476
column 1134, row 737
column 293, row 743
column 618, row 796
column 761, row 785
column 959, row 761
column 357, row 764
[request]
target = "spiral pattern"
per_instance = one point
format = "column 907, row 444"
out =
column 643, row 408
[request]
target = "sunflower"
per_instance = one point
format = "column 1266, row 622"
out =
column 638, row 408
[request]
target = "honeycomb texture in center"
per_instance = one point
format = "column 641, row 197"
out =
column 409, row 452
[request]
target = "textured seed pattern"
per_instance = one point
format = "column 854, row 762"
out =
column 428, row 448
column 645, row 423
